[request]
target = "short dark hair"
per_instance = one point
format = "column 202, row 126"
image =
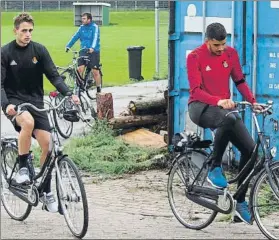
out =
column 23, row 17
column 88, row 15
column 216, row 31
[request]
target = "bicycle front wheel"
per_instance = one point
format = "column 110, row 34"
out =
column 265, row 203
column 72, row 197
column 183, row 172
column 14, row 206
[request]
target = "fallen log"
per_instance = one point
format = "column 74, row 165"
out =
column 148, row 106
column 124, row 122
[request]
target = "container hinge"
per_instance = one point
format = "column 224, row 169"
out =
column 174, row 37
column 173, row 93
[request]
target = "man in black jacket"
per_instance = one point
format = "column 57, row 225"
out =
column 23, row 63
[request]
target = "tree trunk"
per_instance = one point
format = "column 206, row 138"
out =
column 104, row 106
column 148, row 107
column 136, row 121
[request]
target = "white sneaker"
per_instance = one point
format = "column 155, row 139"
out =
column 22, row 176
column 49, row 202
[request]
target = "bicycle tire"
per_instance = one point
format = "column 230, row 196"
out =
column 254, row 196
column 174, row 209
column 11, row 148
column 92, row 94
column 84, row 228
column 85, row 106
column 69, row 132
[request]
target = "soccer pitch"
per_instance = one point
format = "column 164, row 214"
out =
column 131, row 28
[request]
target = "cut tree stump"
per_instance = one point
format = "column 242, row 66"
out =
column 104, row 106
column 148, row 106
column 144, row 138
column 135, row 121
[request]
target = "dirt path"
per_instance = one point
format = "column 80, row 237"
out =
column 132, row 207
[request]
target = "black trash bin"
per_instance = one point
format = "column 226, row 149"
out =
column 135, row 53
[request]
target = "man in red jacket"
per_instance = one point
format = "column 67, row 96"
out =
column 210, row 67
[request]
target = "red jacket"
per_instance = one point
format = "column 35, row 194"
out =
column 209, row 75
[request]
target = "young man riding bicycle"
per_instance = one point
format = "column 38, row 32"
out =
column 23, row 63
column 209, row 69
column 89, row 35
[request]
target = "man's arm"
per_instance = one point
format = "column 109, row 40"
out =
column 52, row 74
column 96, row 36
column 74, row 39
column 239, row 79
column 195, row 81
column 4, row 99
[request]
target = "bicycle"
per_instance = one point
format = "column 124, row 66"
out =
column 69, row 186
column 87, row 112
column 191, row 165
column 86, row 80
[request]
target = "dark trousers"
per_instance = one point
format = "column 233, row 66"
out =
column 228, row 128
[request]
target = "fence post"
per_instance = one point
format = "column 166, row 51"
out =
column 23, row 6
column 136, row 5
column 6, row 6
column 41, row 6
column 157, row 38
column 59, row 6
column 116, row 7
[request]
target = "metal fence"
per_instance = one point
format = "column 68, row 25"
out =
column 66, row 5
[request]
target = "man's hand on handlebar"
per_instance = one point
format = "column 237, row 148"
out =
column 257, row 107
column 226, row 104
column 75, row 99
column 10, row 110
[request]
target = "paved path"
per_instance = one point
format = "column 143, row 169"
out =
column 134, row 207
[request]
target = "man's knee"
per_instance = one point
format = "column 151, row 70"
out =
column 96, row 73
column 229, row 121
column 26, row 122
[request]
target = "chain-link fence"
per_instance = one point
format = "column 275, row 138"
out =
column 67, row 5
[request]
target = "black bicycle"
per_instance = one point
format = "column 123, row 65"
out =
column 187, row 181
column 18, row 199
column 83, row 89
column 73, row 78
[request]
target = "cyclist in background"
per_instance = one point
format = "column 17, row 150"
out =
column 89, row 35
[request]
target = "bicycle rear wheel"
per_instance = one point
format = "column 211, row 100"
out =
column 72, row 197
column 182, row 173
column 16, row 208
column 86, row 110
column 91, row 92
column 265, row 204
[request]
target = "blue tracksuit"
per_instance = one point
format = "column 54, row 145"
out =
column 89, row 36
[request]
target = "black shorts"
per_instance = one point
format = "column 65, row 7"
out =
column 40, row 118
column 94, row 58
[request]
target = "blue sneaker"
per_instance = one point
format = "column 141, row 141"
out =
column 243, row 213
column 217, row 178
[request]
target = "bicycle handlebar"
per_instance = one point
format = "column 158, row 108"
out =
column 265, row 106
column 52, row 108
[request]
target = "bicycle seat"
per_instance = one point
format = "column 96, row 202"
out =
column 182, row 140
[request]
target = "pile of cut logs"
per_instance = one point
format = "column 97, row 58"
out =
column 148, row 113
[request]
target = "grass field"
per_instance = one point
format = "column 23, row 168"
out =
column 54, row 30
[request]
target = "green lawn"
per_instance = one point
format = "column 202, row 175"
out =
column 54, row 29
